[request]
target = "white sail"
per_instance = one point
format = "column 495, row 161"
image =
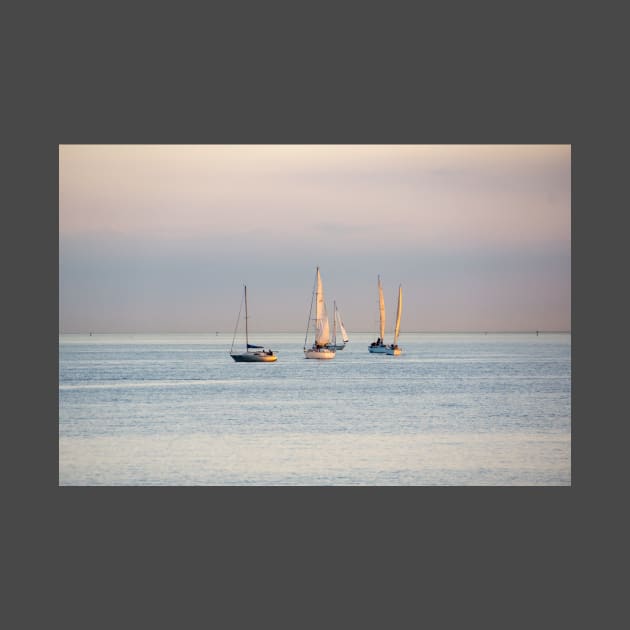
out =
column 398, row 314
column 344, row 334
column 322, row 326
column 381, row 305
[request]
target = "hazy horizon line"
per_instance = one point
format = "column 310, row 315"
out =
column 283, row 332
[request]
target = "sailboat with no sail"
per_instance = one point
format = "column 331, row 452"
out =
column 321, row 325
column 253, row 353
column 338, row 325
column 379, row 346
column 393, row 349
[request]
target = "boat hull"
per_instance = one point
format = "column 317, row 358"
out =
column 394, row 351
column 378, row 349
column 319, row 353
column 254, row 357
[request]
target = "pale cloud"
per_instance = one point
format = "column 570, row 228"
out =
column 487, row 192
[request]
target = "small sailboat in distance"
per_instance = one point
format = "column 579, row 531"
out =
column 378, row 346
column 321, row 325
column 253, row 353
column 393, row 349
column 338, row 325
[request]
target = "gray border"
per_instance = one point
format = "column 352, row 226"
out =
column 504, row 556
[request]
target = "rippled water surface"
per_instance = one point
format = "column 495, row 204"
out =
column 454, row 409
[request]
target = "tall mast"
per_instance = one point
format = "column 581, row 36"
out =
column 310, row 312
column 246, row 335
column 317, row 280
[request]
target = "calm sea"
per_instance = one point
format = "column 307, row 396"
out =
column 454, row 409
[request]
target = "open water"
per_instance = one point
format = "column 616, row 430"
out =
column 454, row 409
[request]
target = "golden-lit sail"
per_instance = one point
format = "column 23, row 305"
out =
column 322, row 324
column 398, row 314
column 381, row 309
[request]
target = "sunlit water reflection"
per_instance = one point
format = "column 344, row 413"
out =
column 454, row 409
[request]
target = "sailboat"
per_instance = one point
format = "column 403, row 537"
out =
column 338, row 324
column 379, row 346
column 321, row 325
column 253, row 353
column 394, row 349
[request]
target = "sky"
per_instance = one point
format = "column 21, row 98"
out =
column 161, row 238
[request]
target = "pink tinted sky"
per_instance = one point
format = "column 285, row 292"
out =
column 479, row 235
